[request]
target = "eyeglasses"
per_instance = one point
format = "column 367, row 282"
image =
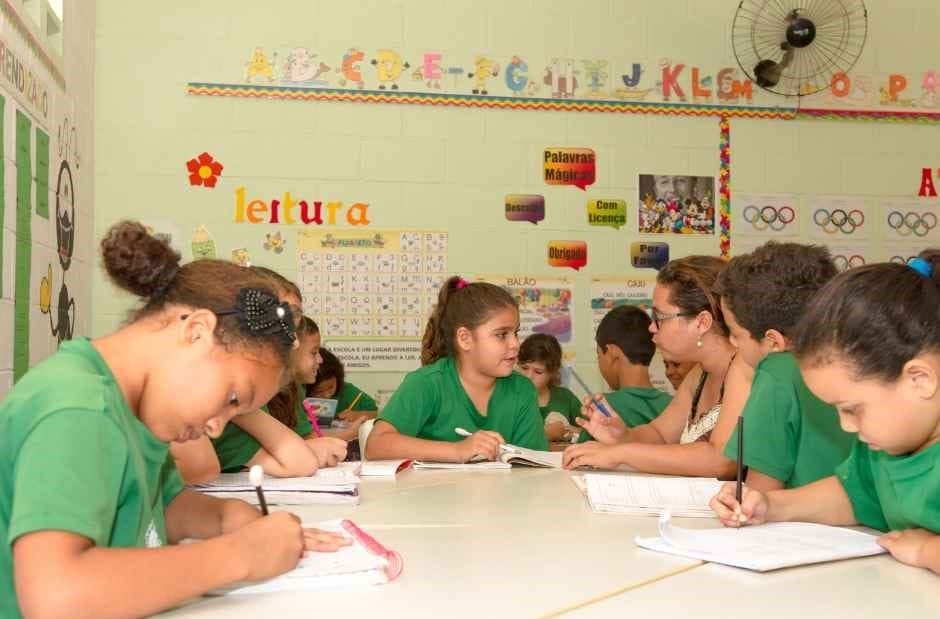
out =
column 659, row 318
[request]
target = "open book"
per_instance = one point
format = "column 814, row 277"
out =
column 509, row 455
column 338, row 484
column 763, row 547
column 650, row 495
column 364, row 562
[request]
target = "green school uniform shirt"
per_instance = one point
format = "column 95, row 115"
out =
column 346, row 396
column 235, row 448
column 892, row 493
column 789, row 433
column 430, row 403
column 75, row 458
column 635, row 405
column 561, row 400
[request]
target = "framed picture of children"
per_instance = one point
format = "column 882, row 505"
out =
column 676, row 204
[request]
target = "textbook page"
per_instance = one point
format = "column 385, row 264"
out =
column 638, row 494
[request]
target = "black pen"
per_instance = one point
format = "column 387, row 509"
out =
column 256, row 476
column 740, row 477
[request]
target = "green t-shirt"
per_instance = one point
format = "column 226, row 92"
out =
column 892, row 493
column 430, row 403
column 348, row 393
column 75, row 458
column 635, row 405
column 789, row 433
column 235, row 448
column 561, row 400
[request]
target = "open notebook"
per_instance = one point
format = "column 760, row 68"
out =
column 338, row 484
column 650, row 495
column 364, row 562
column 764, row 547
column 510, row 455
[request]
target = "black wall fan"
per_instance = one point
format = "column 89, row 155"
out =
column 794, row 47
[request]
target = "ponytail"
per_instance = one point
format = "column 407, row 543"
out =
column 460, row 304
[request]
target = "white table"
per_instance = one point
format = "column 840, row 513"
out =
column 524, row 543
column 876, row 587
column 520, row 543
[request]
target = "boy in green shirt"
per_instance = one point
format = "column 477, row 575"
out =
column 625, row 350
column 869, row 343
column 791, row 437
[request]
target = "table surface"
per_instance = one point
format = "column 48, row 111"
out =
column 524, row 543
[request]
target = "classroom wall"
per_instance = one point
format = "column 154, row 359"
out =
column 47, row 189
column 449, row 168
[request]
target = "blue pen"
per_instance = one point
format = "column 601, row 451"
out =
column 600, row 405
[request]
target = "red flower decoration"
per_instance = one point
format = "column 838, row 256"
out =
column 204, row 170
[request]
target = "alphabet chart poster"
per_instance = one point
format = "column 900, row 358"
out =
column 545, row 305
column 375, row 286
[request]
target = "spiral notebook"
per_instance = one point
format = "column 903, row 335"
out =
column 764, row 547
column 363, row 563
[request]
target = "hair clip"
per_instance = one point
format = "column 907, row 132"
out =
column 461, row 283
column 921, row 266
column 261, row 314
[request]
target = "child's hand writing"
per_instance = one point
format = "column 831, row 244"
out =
column 328, row 450
column 481, row 443
column 270, row 545
column 609, row 430
column 907, row 546
column 751, row 510
column 591, row 454
column 324, row 541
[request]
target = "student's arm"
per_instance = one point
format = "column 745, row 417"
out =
column 63, row 574
column 196, row 460
column 666, row 428
column 386, row 443
column 528, row 430
column 763, row 483
column 282, row 453
column 917, row 547
column 192, row 515
column 824, row 501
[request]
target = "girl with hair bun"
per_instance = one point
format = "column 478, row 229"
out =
column 89, row 500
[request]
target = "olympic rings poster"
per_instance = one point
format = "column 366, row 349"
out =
column 909, row 221
column 901, row 253
column 838, row 218
column 849, row 256
column 767, row 215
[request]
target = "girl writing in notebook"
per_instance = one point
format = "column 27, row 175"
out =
column 468, row 353
column 869, row 344
column 87, row 493
column 688, row 437
column 276, row 436
column 540, row 362
column 352, row 403
column 280, row 436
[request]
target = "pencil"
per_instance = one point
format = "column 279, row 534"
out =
column 600, row 405
column 354, row 402
column 740, row 476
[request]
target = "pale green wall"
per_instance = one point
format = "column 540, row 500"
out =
column 431, row 167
